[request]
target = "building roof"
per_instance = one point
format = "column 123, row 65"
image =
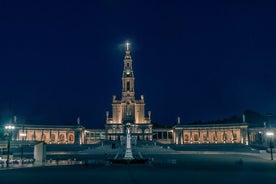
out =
column 211, row 126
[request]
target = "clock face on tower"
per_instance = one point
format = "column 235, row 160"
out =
column 128, row 72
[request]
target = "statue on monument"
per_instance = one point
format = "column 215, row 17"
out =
column 128, row 152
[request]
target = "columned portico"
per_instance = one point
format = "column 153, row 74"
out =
column 211, row 133
column 51, row 134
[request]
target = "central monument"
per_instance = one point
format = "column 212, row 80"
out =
column 128, row 109
column 128, row 156
column 128, row 153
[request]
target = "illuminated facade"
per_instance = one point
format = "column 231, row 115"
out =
column 50, row 134
column 211, row 134
column 128, row 109
column 236, row 133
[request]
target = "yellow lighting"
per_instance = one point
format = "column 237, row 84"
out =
column 23, row 134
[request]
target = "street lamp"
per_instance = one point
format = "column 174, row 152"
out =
column 9, row 128
column 22, row 135
column 270, row 135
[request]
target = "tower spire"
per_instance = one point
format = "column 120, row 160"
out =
column 128, row 76
column 127, row 45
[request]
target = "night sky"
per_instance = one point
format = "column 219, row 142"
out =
column 200, row 60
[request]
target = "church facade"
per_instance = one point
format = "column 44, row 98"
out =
column 128, row 109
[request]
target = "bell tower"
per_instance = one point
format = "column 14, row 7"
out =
column 128, row 77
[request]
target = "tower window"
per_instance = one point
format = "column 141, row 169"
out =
column 127, row 64
column 128, row 86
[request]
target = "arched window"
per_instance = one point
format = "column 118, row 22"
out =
column 186, row 137
column 61, row 137
column 205, row 138
column 71, row 137
column 128, row 86
column 53, row 137
column 128, row 109
column 234, row 136
column 196, row 137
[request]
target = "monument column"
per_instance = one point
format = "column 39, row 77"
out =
column 128, row 153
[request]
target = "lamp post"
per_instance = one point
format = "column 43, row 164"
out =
column 270, row 135
column 22, row 135
column 9, row 128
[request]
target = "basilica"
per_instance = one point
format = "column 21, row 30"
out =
column 128, row 110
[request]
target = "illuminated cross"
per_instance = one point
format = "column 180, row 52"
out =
column 127, row 44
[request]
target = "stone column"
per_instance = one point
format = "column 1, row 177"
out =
column 50, row 136
column 208, row 136
column 40, row 153
column 181, row 137
column 246, row 136
column 191, row 136
column 199, row 136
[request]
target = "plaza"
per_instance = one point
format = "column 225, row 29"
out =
column 190, row 167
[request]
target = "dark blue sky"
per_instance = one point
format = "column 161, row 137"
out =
column 200, row 60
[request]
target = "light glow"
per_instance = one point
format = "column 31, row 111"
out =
column 269, row 133
column 127, row 45
column 9, row 127
column 23, row 134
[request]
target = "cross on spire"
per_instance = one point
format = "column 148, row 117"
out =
column 127, row 45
